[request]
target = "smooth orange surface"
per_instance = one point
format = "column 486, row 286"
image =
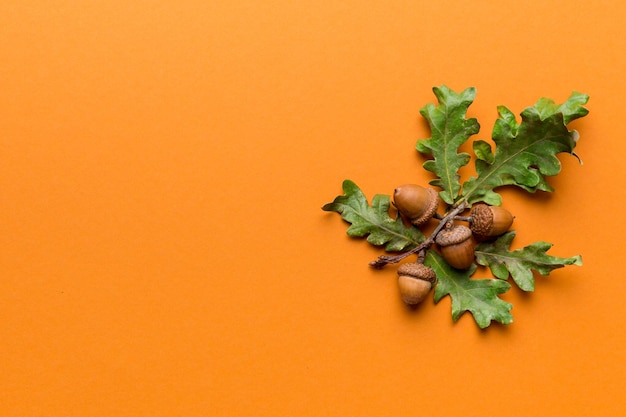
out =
column 162, row 247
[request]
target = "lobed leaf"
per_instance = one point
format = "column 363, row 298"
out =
column 520, row 263
column 572, row 108
column 449, row 130
column 526, row 152
column 373, row 221
column 478, row 296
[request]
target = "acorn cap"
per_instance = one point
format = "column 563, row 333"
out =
column 417, row 270
column 453, row 235
column 482, row 219
column 430, row 210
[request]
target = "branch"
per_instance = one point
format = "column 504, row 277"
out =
column 420, row 249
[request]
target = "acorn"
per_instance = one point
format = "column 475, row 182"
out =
column 415, row 281
column 416, row 203
column 457, row 246
column 489, row 220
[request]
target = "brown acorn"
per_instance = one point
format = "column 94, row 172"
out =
column 457, row 246
column 489, row 220
column 416, row 203
column 415, row 281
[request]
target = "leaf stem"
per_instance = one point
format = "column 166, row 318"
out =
column 420, row 250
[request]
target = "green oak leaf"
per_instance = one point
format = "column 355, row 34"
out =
column 520, row 263
column 572, row 109
column 449, row 130
column 526, row 152
column 373, row 221
column 478, row 296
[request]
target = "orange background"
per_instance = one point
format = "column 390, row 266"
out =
column 162, row 247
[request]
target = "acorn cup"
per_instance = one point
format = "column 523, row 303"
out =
column 457, row 246
column 414, row 282
column 489, row 221
column 418, row 204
